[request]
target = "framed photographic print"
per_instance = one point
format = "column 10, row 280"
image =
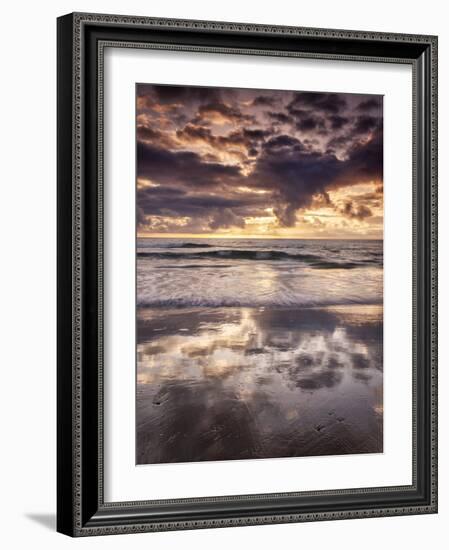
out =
column 247, row 284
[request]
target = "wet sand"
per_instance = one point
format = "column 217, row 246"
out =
column 245, row 383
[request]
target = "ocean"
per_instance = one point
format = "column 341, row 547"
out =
column 258, row 272
column 254, row 348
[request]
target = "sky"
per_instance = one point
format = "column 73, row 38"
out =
column 226, row 162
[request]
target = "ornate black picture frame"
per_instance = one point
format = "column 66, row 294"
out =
column 81, row 510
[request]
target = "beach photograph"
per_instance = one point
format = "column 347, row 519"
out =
column 259, row 273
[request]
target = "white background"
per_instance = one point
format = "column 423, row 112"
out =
column 125, row 481
column 27, row 218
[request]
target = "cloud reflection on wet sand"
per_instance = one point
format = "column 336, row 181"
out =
column 235, row 383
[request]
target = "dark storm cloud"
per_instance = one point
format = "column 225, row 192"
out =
column 149, row 135
column 337, row 122
column 365, row 161
column 140, row 215
column 309, row 123
column 338, row 143
column 242, row 138
column 257, row 134
column 280, row 117
column 239, row 137
column 177, row 94
column 319, row 102
column 365, row 124
column 369, row 104
column 145, row 133
column 295, row 175
column 285, row 150
column 194, row 133
column 264, row 101
column 226, row 218
column 170, row 167
column 155, row 200
column 283, row 141
column 356, row 212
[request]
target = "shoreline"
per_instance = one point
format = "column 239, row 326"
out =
column 235, row 382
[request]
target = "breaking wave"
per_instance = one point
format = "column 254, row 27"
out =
column 315, row 261
column 258, row 273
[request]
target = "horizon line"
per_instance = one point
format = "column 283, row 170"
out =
column 252, row 237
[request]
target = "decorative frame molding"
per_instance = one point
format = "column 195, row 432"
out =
column 81, row 42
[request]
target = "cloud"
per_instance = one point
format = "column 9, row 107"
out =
column 242, row 138
column 309, row 123
column 280, row 117
column 181, row 167
column 217, row 157
column 149, row 135
column 264, row 101
column 226, row 218
column 220, row 114
column 365, row 124
column 177, row 95
column 356, row 212
column 296, row 175
column 320, row 102
column 337, row 122
column 369, row 104
column 283, row 141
